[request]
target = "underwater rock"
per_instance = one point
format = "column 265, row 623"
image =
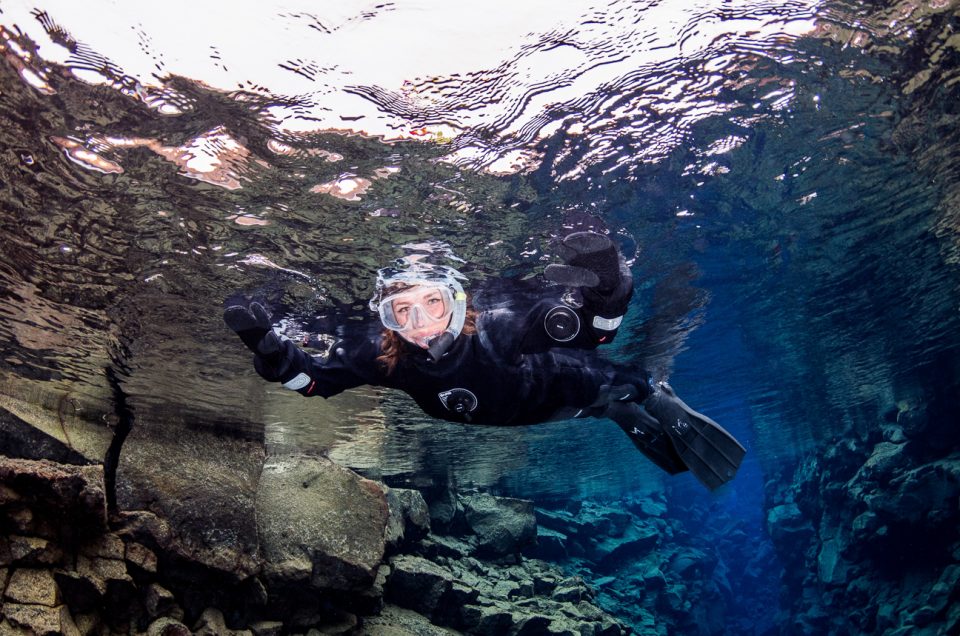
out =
column 668, row 579
column 488, row 620
column 212, row 623
column 323, row 531
column 692, row 563
column 141, row 557
column 923, row 497
column 397, row 621
column 649, row 506
column 160, row 602
column 885, row 460
column 885, row 514
column 320, row 523
column 79, row 592
column 40, row 620
column 551, row 545
column 202, row 486
column 167, row 627
column 409, row 519
column 831, row 568
column 437, row 546
column 57, row 491
column 444, row 509
column 611, row 552
column 34, row 551
column 653, row 578
column 787, row 524
column 267, row 628
column 418, row 584
column 32, row 586
column 503, row 526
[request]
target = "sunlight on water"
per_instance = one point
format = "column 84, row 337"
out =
column 488, row 86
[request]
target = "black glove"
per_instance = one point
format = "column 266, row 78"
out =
column 595, row 266
column 252, row 324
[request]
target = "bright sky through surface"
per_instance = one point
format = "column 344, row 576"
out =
column 431, row 60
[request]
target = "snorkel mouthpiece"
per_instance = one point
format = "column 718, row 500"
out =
column 440, row 345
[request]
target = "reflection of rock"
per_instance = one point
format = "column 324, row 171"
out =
column 37, row 423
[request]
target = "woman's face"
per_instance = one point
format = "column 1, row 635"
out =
column 423, row 314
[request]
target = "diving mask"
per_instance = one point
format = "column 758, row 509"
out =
column 419, row 297
column 417, row 307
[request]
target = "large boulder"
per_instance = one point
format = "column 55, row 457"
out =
column 503, row 526
column 202, row 490
column 419, row 584
column 320, row 523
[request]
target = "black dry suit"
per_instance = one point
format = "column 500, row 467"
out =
column 532, row 358
column 511, row 371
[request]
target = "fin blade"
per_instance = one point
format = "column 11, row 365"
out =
column 711, row 453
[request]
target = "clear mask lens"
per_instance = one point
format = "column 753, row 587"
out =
column 416, row 308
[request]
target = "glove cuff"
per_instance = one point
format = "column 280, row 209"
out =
column 276, row 366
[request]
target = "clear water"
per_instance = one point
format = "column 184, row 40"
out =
column 782, row 174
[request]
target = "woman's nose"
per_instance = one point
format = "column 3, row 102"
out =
column 416, row 318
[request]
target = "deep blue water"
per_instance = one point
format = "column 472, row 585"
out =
column 782, row 175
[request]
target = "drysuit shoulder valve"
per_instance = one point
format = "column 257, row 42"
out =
column 562, row 323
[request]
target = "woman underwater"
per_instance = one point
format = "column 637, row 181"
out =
column 504, row 366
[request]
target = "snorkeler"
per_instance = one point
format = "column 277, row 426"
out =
column 502, row 366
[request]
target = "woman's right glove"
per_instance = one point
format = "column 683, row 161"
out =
column 595, row 266
column 252, row 324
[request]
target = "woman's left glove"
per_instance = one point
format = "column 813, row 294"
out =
column 593, row 264
column 252, row 324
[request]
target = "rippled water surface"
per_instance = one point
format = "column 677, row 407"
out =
column 782, row 175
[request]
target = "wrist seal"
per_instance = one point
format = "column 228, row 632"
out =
column 607, row 324
column 298, row 382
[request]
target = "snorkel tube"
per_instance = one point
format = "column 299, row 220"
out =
column 442, row 343
column 390, row 278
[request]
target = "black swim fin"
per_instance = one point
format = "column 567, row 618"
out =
column 712, row 454
column 647, row 435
